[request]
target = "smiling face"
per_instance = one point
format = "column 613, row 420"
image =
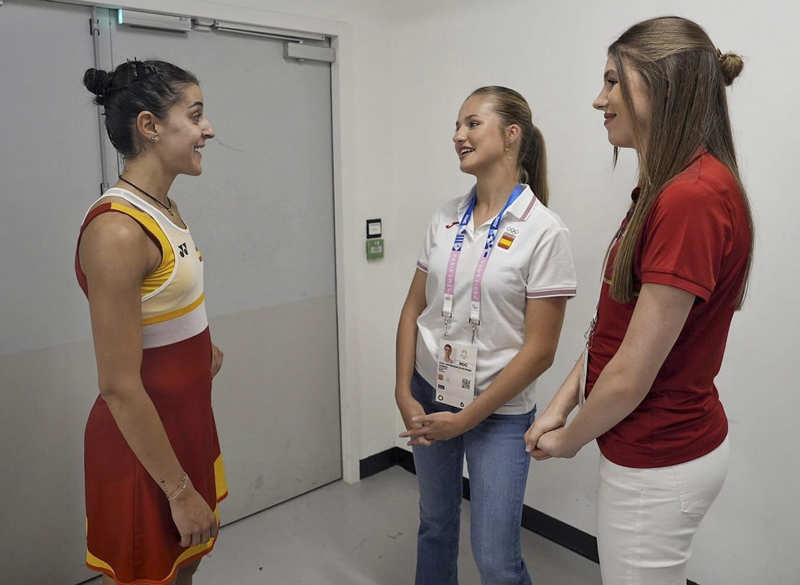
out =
column 479, row 137
column 183, row 133
column 619, row 120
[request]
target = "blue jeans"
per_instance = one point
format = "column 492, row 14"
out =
column 498, row 470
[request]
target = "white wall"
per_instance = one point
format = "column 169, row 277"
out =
column 403, row 70
column 554, row 53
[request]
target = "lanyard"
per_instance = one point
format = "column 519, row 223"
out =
column 477, row 279
column 589, row 335
column 617, row 237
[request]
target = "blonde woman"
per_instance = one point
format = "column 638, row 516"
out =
column 480, row 324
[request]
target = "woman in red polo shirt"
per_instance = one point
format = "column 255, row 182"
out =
column 674, row 274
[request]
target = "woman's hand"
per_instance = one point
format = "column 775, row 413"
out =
column 543, row 424
column 216, row 359
column 410, row 409
column 554, row 444
column 194, row 520
column 440, row 426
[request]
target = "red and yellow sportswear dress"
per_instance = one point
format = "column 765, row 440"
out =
column 130, row 533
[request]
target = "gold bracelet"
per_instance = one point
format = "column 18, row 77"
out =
column 180, row 489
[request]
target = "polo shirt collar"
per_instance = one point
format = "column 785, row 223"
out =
column 520, row 209
column 464, row 203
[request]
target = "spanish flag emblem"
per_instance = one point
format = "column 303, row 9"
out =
column 505, row 241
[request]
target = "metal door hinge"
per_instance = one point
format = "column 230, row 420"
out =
column 302, row 52
column 156, row 21
column 254, row 30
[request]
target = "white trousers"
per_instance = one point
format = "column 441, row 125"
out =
column 646, row 518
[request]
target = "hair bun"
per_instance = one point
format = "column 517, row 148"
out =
column 96, row 81
column 731, row 65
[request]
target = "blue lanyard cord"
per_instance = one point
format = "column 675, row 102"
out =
column 496, row 223
column 462, row 228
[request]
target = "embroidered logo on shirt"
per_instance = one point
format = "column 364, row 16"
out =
column 448, row 226
column 183, row 249
column 505, row 241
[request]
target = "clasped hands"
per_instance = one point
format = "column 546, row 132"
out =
column 548, row 438
column 425, row 429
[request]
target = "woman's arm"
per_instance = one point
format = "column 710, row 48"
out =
column 405, row 352
column 543, row 320
column 407, row 332
column 216, row 360
column 556, row 413
column 115, row 254
column 657, row 321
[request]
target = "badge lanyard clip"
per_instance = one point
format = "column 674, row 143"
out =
column 589, row 335
column 475, row 325
column 448, row 318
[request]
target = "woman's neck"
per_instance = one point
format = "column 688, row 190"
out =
column 150, row 176
column 492, row 191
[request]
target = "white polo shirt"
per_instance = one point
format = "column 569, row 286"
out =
column 537, row 263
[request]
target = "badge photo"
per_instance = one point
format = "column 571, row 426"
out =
column 455, row 381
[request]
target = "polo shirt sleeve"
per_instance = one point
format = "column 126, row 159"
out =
column 551, row 272
column 685, row 238
column 423, row 260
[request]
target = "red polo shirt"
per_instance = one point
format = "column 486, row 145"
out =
column 696, row 238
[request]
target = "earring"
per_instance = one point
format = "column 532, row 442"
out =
column 154, row 138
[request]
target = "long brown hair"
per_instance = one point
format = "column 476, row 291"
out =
column 686, row 76
column 532, row 160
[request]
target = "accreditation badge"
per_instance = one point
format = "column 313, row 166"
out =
column 455, row 378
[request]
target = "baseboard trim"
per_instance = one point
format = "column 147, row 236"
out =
column 385, row 460
column 552, row 529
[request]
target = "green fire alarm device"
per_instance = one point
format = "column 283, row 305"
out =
column 374, row 240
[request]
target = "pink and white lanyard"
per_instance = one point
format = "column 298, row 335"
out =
column 477, row 279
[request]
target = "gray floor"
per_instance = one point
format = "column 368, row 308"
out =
column 358, row 535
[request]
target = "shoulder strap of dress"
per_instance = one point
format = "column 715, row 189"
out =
column 150, row 226
column 145, row 220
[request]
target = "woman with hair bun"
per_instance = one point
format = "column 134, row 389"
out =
column 674, row 275
column 154, row 472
